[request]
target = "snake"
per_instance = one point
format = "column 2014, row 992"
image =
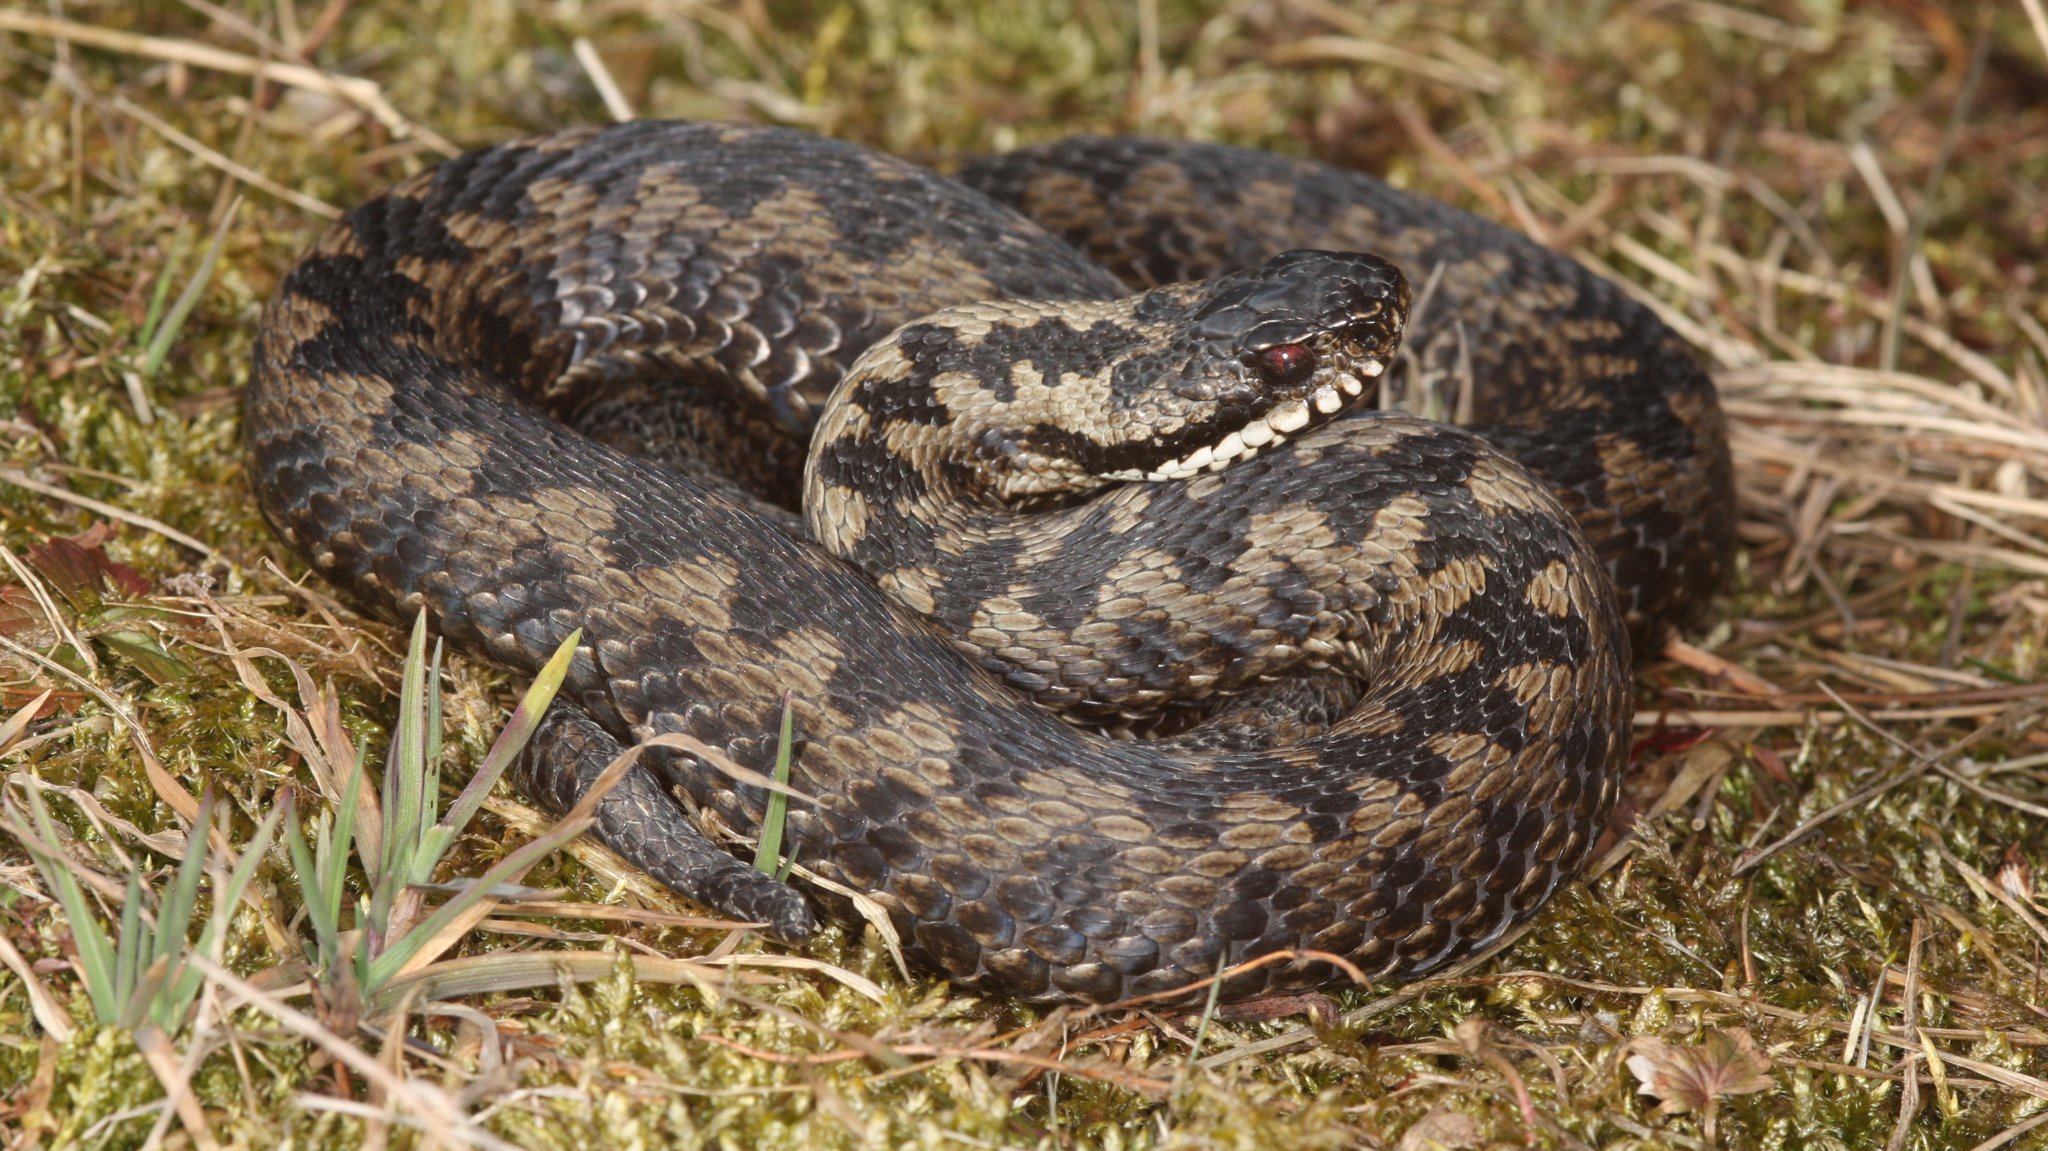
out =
column 1130, row 624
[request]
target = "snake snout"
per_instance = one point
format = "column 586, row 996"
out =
column 1300, row 293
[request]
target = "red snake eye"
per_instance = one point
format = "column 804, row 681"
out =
column 1286, row 364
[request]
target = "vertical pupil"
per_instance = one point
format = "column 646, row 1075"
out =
column 1286, row 363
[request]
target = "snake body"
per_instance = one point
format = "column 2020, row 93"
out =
column 569, row 382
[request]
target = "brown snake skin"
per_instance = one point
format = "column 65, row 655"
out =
column 444, row 382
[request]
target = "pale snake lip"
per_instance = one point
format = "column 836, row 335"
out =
column 1269, row 430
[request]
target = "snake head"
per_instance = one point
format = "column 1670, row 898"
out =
column 1035, row 400
column 1257, row 357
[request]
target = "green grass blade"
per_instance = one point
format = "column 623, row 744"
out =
column 183, row 981
column 164, row 335
column 387, row 965
column 174, row 917
column 146, row 998
column 511, row 740
column 312, row 887
column 161, row 294
column 245, row 868
column 1187, row 1066
column 508, row 870
column 430, row 767
column 365, row 952
column 408, row 769
column 333, row 855
column 768, row 853
column 131, row 950
column 173, row 983
column 404, row 773
column 95, row 951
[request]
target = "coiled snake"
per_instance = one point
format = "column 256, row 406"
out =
column 567, row 382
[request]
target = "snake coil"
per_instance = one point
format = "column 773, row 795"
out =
column 570, row 382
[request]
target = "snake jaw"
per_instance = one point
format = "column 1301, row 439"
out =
column 1273, row 427
column 1275, row 351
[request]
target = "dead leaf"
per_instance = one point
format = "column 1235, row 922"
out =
column 1685, row 1079
column 80, row 570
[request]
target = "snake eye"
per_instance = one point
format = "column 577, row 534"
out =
column 1284, row 365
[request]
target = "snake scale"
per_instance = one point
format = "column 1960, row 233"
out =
column 1335, row 678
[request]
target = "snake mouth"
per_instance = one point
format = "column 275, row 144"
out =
column 1331, row 392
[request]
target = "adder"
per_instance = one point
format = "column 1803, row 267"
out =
column 1151, row 643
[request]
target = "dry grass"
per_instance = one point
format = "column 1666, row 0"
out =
column 1843, row 787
